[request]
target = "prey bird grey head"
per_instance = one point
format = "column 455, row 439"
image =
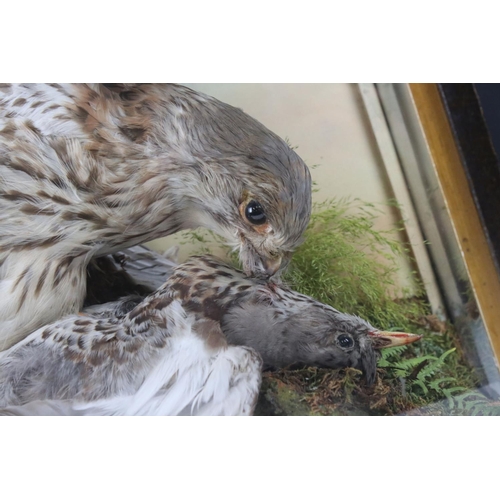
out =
column 89, row 169
column 196, row 346
column 285, row 327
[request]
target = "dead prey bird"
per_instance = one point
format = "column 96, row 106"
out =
column 86, row 170
column 194, row 347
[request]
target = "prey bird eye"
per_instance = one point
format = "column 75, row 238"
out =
column 255, row 213
column 345, row 341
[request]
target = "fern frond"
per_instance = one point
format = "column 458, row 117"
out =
column 431, row 368
column 420, row 384
column 408, row 364
column 435, row 384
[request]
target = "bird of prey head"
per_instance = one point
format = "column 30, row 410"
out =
column 231, row 174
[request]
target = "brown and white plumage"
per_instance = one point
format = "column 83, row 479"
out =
column 196, row 346
column 86, row 170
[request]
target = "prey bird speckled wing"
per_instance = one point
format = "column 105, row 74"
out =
column 194, row 347
column 89, row 169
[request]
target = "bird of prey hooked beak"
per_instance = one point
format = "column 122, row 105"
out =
column 89, row 169
column 196, row 346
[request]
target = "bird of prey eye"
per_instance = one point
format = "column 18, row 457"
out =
column 89, row 169
column 196, row 346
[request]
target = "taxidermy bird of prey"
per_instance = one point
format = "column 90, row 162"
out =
column 194, row 347
column 86, row 170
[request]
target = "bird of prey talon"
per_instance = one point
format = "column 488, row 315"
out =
column 196, row 346
column 90, row 169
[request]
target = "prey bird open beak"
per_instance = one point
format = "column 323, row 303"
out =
column 381, row 340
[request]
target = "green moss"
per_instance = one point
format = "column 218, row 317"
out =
column 278, row 398
column 348, row 264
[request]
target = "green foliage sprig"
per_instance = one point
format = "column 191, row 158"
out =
column 345, row 262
